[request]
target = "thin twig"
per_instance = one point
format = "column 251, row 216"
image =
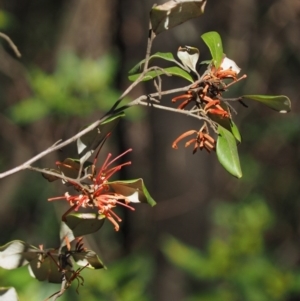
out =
column 61, row 292
column 139, row 79
column 57, row 175
column 51, row 149
column 58, row 145
column 112, row 112
column 11, row 44
column 158, row 86
column 175, row 110
column 151, row 37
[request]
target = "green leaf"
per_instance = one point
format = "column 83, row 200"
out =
column 134, row 190
column 8, row 294
column 89, row 142
column 168, row 56
column 168, row 71
column 15, row 254
column 213, row 40
column 173, row 13
column 89, row 259
column 84, row 223
column 279, row 103
column 227, row 152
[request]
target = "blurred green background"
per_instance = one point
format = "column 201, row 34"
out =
column 211, row 237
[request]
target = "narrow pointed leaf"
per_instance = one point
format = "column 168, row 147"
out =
column 173, row 13
column 89, row 142
column 213, row 40
column 176, row 71
column 89, row 259
column 8, row 294
column 168, row 56
column 235, row 131
column 15, row 254
column 84, row 223
column 206, row 62
column 133, row 190
column 227, row 152
column 279, row 103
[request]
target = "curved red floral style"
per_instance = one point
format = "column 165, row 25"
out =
column 98, row 193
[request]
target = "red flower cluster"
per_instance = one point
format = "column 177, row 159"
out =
column 98, row 193
column 202, row 141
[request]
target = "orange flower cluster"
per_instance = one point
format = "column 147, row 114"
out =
column 202, row 141
column 207, row 99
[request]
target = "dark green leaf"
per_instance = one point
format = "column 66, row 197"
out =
column 15, row 254
column 89, row 142
column 8, row 294
column 169, row 71
column 89, row 259
column 213, row 40
column 279, row 103
column 51, row 178
column 227, row 152
column 84, row 223
column 69, row 167
column 134, row 190
column 66, row 235
column 173, row 13
column 168, row 56
column 46, row 269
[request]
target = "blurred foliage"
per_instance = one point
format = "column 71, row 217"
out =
column 6, row 20
column 125, row 280
column 235, row 264
column 77, row 87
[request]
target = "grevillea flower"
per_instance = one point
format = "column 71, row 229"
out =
column 98, row 194
column 202, row 141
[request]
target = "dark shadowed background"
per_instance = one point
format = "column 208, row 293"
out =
column 211, row 237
